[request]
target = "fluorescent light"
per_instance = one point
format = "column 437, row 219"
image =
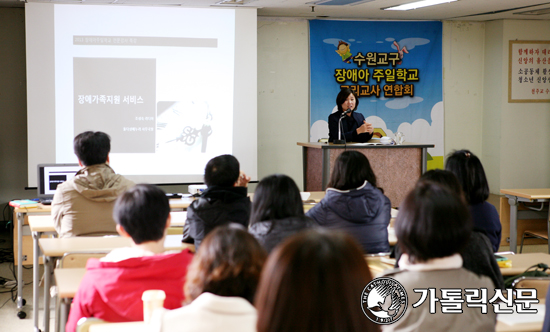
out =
column 418, row 4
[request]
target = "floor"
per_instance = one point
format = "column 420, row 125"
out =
column 8, row 308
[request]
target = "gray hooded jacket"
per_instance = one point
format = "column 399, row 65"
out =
column 83, row 205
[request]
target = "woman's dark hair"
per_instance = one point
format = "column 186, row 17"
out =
column 351, row 169
column 312, row 282
column 469, row 171
column 343, row 95
column 432, row 222
column 228, row 263
column 276, row 197
column 444, row 178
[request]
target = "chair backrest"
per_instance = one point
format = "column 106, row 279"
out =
column 84, row 323
column 78, row 260
column 539, row 283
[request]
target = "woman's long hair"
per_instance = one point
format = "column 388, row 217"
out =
column 313, row 282
column 276, row 197
column 228, row 263
column 350, row 171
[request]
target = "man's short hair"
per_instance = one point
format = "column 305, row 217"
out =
column 222, row 171
column 92, row 148
column 142, row 211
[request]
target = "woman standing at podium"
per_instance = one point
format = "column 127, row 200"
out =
column 353, row 127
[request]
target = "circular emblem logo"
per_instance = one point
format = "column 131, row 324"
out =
column 384, row 300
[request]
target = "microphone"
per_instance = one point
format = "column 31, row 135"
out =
column 349, row 110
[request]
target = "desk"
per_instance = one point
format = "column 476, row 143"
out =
column 121, row 327
column 42, row 223
column 522, row 262
column 21, row 229
column 21, row 214
column 39, row 224
column 516, row 196
column 54, row 248
column 67, row 281
column 527, row 327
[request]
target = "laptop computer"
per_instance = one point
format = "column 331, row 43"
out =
column 50, row 176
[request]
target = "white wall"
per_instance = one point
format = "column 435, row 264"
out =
column 463, row 51
column 283, row 91
column 283, row 96
column 523, row 137
column 491, row 104
column 478, row 116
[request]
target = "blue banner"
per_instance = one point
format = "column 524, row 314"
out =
column 394, row 67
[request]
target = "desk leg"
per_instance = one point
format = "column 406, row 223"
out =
column 64, row 314
column 48, row 268
column 36, row 280
column 20, row 220
column 513, row 201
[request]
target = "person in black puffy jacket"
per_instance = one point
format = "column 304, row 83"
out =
column 224, row 201
column 277, row 211
column 355, row 204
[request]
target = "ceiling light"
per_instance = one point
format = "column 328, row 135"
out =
column 543, row 11
column 230, row 2
column 417, row 4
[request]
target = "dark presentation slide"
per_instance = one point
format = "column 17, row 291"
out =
column 104, row 87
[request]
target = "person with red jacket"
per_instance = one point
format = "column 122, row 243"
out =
column 112, row 286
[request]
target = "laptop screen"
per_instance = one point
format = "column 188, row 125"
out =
column 51, row 175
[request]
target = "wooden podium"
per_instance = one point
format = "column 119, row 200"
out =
column 397, row 167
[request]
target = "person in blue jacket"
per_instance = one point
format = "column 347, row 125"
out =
column 353, row 203
column 354, row 128
column 469, row 171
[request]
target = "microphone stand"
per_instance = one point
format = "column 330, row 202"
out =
column 340, row 140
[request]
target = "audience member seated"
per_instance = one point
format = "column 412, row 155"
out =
column 477, row 254
column 83, row 205
column 432, row 227
column 353, row 203
column 313, row 281
column 221, row 284
column 277, row 211
column 469, row 171
column 112, row 286
column 225, row 200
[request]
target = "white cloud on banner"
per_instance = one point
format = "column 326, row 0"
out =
column 401, row 103
column 334, row 41
column 318, row 130
column 420, row 131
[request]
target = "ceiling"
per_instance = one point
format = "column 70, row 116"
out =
column 468, row 10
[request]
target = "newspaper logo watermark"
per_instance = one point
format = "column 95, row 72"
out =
column 384, row 300
column 453, row 300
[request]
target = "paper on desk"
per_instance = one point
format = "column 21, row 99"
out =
column 515, row 318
